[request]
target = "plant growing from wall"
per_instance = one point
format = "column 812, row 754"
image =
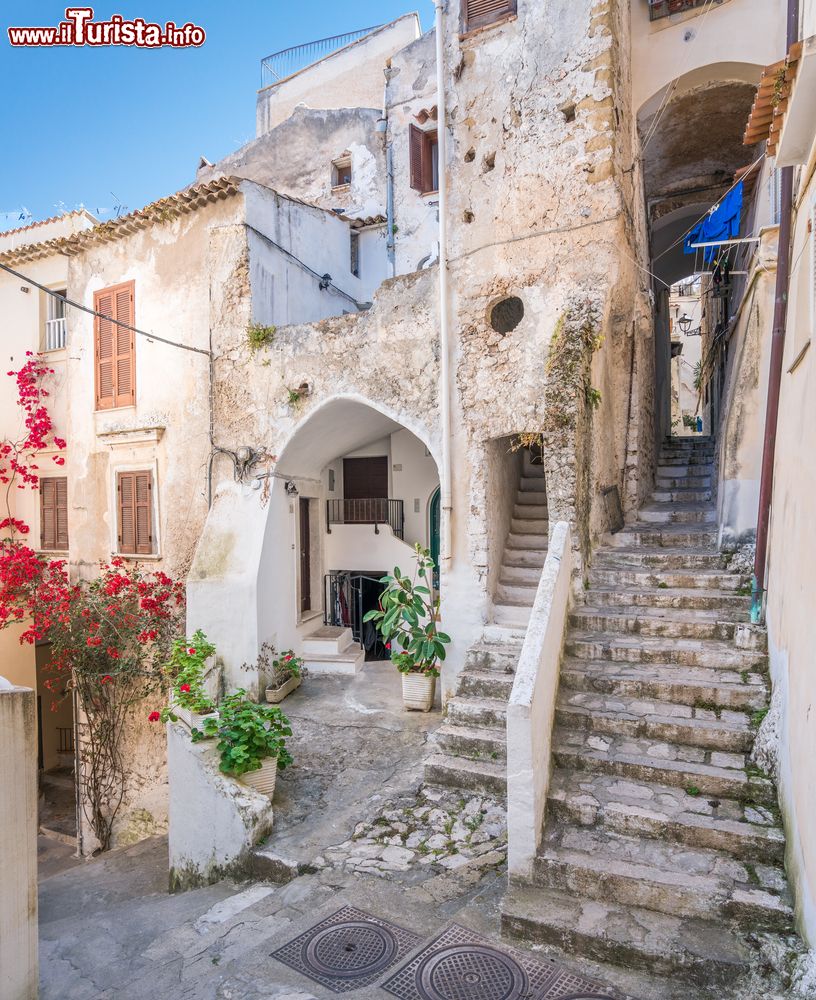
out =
column 247, row 733
column 185, row 670
column 296, row 396
column 259, row 336
column 408, row 616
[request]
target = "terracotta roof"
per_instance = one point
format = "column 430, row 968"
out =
column 771, row 102
column 45, row 222
column 164, row 210
column 749, row 175
column 361, row 222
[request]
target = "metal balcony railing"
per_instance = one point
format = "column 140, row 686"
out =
column 289, row 61
column 55, row 334
column 663, row 8
column 376, row 511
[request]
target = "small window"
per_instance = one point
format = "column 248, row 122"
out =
column 424, row 157
column 354, row 252
column 478, row 13
column 134, row 500
column 341, row 172
column 55, row 320
column 54, row 513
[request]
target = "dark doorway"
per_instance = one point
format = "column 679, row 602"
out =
column 433, row 534
column 305, row 558
column 365, row 478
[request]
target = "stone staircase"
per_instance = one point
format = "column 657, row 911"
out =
column 662, row 846
column 472, row 740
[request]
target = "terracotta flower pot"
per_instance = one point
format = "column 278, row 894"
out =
column 263, row 779
column 277, row 694
column 418, row 692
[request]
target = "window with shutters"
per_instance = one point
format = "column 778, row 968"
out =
column 134, row 500
column 54, row 513
column 478, row 13
column 114, row 352
column 341, row 171
column 424, row 157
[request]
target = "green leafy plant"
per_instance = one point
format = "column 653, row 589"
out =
column 408, row 616
column 692, row 790
column 296, row 396
column 247, row 733
column 260, row 336
column 185, row 670
column 593, row 398
column 284, row 667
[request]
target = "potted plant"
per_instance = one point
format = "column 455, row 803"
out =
column 187, row 672
column 407, row 617
column 251, row 740
column 284, row 672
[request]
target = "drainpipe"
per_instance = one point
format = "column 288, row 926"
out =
column 777, row 354
column 390, row 243
column 444, row 328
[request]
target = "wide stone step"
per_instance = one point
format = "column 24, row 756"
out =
column 640, row 760
column 525, row 558
column 673, row 481
column 697, row 687
column 681, row 496
column 487, row 777
column 621, row 715
column 510, row 635
column 537, row 511
column 652, row 622
column 533, row 484
column 676, row 513
column 636, row 871
column 602, row 578
column 531, row 498
column 690, row 461
column 623, row 556
column 520, row 575
column 675, row 537
column 515, row 615
column 530, row 526
column 667, row 814
column 474, row 712
column 701, row 952
column 524, row 540
column 621, row 648
column 475, row 744
column 486, row 684
column 510, row 592
column 726, row 603
column 495, row 656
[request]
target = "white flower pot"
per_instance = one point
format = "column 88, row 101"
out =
column 189, row 718
column 274, row 695
column 418, row 692
column 264, row 778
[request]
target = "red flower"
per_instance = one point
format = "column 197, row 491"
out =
column 93, row 640
column 185, row 688
column 106, row 679
column 153, row 717
column 388, row 645
column 286, row 659
column 190, row 651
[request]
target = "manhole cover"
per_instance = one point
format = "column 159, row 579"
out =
column 348, row 950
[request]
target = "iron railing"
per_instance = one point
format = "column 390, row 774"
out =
column 376, row 511
column 344, row 601
column 663, row 8
column 289, row 61
column 65, row 739
column 55, row 334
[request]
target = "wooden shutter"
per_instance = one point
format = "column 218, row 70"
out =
column 481, row 12
column 416, row 146
column 54, row 513
column 114, row 347
column 135, row 512
column 365, row 478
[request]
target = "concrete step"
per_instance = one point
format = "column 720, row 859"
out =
column 675, row 537
column 537, row 511
column 667, row 814
column 699, row 581
column 519, row 558
column 487, row 777
column 637, row 871
column 528, row 576
column 495, row 633
column 530, row 526
column 531, row 498
column 518, row 540
column 490, row 713
column 622, row 715
column 328, row 639
column 591, row 645
column 514, row 615
column 696, row 687
column 641, row 760
column 486, row 684
column 626, row 556
column 533, row 484
column 501, row 657
column 705, row 953
column 683, row 495
column 347, row 662
column 726, row 603
column 516, row 593
column 472, row 743
column 678, row 513
column 689, row 461
column 653, row 622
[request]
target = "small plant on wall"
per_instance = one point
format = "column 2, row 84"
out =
column 296, row 396
column 260, row 336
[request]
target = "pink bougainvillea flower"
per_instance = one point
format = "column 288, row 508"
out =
column 153, row 717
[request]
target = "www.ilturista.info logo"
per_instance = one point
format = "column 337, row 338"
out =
column 79, row 28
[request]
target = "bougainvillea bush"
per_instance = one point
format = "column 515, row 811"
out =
column 109, row 636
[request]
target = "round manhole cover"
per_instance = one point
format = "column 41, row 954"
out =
column 471, row 972
column 350, row 950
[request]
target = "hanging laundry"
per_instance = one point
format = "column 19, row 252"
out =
column 721, row 223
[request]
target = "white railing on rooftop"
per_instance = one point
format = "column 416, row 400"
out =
column 288, row 61
column 55, row 334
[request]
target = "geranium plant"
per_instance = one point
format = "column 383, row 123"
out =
column 185, row 670
column 284, row 666
column 407, row 617
column 247, row 733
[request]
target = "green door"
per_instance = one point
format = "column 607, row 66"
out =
column 434, row 515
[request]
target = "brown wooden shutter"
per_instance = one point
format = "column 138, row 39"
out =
column 135, row 512
column 62, row 513
column 481, row 12
column 416, row 146
column 114, row 347
column 54, row 513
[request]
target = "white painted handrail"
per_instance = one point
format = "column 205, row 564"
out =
column 531, row 710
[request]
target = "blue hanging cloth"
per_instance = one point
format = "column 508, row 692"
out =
column 722, row 223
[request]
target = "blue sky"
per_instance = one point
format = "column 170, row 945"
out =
column 124, row 126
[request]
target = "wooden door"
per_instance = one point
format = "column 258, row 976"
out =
column 305, row 558
column 365, row 478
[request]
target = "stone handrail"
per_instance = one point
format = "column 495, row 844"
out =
column 531, row 710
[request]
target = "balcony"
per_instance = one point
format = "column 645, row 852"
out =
column 55, row 332
column 287, row 62
column 664, row 8
column 375, row 510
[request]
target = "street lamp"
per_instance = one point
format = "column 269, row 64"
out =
column 684, row 323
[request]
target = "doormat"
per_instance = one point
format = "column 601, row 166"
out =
column 348, row 950
column 461, row 965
